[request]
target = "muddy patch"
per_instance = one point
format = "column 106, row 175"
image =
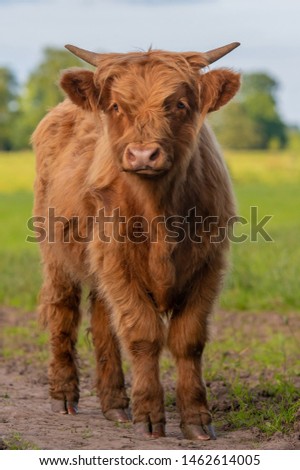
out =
column 26, row 420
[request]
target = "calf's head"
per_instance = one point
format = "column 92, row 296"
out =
column 153, row 102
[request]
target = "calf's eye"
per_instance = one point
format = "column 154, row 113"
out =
column 181, row 105
column 115, row 107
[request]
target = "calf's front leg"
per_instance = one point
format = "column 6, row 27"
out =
column 186, row 340
column 141, row 331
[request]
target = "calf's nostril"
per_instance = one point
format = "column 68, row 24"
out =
column 131, row 157
column 154, row 156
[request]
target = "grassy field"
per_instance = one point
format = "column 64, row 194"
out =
column 19, row 261
column 264, row 274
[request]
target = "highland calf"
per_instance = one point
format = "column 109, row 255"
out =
column 142, row 204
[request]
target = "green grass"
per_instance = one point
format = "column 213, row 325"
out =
column 19, row 260
column 264, row 275
column 16, row 442
column 17, row 171
column 270, row 168
column 255, row 360
column 252, row 411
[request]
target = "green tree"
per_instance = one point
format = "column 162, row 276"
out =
column 259, row 92
column 252, row 120
column 41, row 92
column 235, row 129
column 8, row 96
column 258, row 82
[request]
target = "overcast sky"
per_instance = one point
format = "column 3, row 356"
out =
column 267, row 29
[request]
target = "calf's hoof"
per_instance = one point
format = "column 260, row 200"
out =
column 64, row 407
column 197, row 432
column 158, row 430
column 147, row 430
column 72, row 407
column 118, row 415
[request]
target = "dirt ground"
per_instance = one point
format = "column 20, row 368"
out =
column 25, row 415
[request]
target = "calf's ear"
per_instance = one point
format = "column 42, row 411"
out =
column 218, row 87
column 80, row 87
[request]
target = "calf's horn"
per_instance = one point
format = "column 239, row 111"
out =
column 216, row 54
column 89, row 57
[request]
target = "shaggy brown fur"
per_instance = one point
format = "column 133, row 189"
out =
column 89, row 163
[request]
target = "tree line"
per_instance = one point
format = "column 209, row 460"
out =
column 251, row 121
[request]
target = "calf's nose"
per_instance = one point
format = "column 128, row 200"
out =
column 142, row 157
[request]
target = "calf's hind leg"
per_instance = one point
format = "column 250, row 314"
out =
column 59, row 309
column 110, row 377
